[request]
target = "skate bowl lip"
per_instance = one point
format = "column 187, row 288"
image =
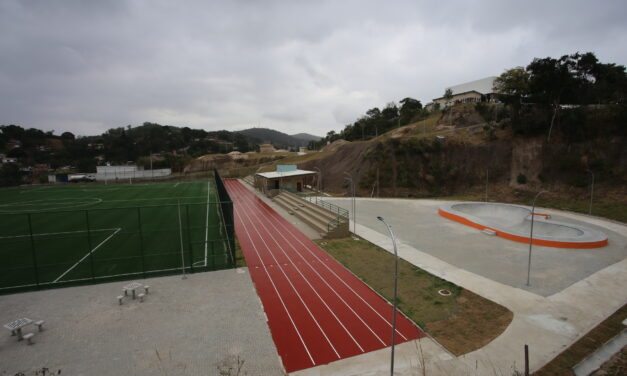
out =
column 508, row 221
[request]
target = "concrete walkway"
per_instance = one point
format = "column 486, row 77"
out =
column 547, row 324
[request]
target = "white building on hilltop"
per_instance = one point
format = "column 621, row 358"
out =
column 474, row 91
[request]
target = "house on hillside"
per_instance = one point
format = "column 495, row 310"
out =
column 266, row 148
column 470, row 92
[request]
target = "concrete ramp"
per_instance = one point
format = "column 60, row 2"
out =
column 513, row 222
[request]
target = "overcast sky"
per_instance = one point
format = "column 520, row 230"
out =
column 294, row 66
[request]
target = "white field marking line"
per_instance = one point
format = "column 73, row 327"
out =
column 55, row 233
column 340, row 279
column 278, row 294
column 324, row 280
column 207, row 223
column 154, row 198
column 46, row 202
column 97, row 277
column 305, row 279
column 88, row 253
column 175, row 185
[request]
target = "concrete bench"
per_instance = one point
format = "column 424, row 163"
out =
column 40, row 325
column 29, row 337
column 141, row 297
column 120, row 297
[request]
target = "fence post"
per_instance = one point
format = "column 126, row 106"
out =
column 91, row 255
column 141, row 242
column 189, row 239
column 32, row 245
column 526, row 360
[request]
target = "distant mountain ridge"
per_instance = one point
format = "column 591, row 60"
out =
column 279, row 139
column 307, row 137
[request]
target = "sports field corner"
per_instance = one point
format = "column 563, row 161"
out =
column 55, row 236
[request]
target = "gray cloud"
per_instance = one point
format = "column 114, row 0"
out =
column 296, row 66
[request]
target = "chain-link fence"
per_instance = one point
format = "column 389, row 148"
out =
column 57, row 248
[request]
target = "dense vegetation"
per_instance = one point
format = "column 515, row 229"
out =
column 376, row 122
column 536, row 95
column 171, row 147
column 278, row 139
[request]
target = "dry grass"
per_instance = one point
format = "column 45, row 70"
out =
column 294, row 159
column 594, row 339
column 461, row 322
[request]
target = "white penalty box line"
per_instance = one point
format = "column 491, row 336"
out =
column 115, row 231
column 91, row 252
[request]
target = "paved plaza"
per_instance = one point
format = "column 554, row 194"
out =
column 184, row 327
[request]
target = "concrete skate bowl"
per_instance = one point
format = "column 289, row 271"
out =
column 513, row 222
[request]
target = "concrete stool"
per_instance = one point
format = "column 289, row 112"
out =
column 141, row 297
column 40, row 325
column 120, row 297
column 146, row 288
column 29, row 337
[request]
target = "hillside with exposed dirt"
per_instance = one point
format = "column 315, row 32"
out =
column 457, row 156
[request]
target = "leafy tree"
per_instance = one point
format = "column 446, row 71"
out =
column 68, row 136
column 9, row 175
column 410, row 107
column 512, row 86
column 448, row 95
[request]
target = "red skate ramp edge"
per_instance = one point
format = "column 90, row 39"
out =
column 589, row 238
column 318, row 312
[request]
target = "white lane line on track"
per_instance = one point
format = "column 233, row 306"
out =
column 388, row 322
column 250, row 209
column 88, row 253
column 277, row 293
column 323, row 280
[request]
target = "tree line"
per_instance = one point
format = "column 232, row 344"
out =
column 172, row 146
column 537, row 93
column 376, row 121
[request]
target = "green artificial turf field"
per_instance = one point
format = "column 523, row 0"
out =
column 55, row 235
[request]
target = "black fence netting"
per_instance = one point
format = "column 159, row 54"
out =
column 226, row 205
column 50, row 249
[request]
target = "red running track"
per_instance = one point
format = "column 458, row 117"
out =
column 318, row 312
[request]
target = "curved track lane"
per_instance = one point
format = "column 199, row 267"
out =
column 318, row 312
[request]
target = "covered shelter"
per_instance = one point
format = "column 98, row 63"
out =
column 286, row 177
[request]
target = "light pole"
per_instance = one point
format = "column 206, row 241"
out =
column 350, row 179
column 394, row 294
column 533, row 207
column 319, row 179
column 591, row 192
column 487, row 174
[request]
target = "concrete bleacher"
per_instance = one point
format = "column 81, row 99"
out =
column 327, row 223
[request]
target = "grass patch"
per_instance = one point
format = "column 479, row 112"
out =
column 594, row 339
column 461, row 322
column 295, row 159
column 240, row 261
